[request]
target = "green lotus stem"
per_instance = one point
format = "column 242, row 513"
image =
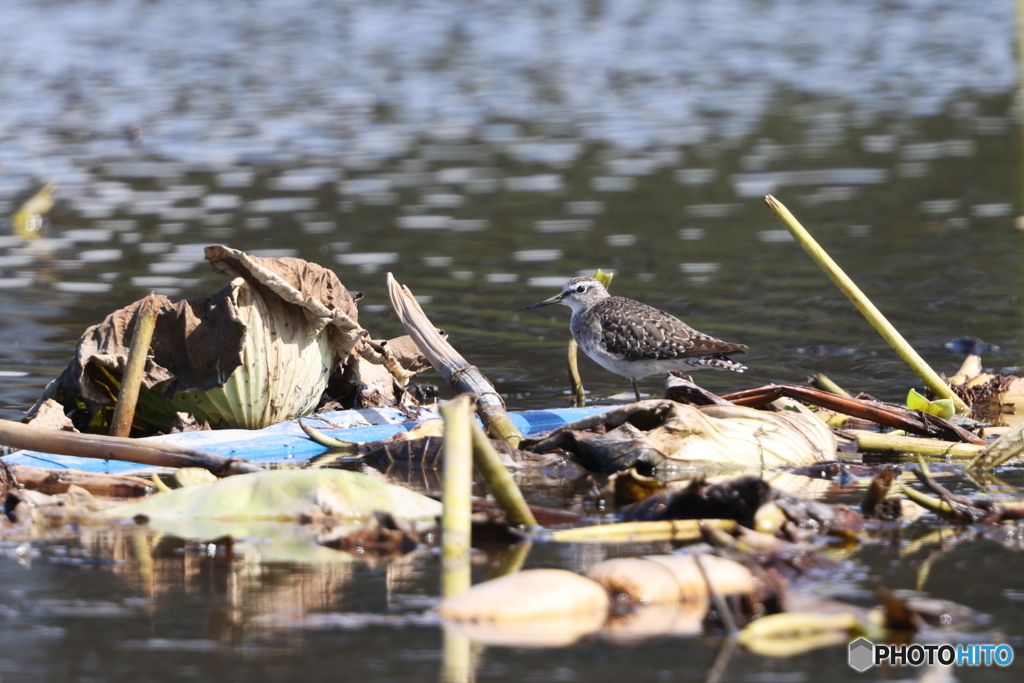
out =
column 457, row 660
column 135, row 366
column 872, row 442
column 822, row 382
column 576, row 384
column 640, row 532
column 498, row 480
column 1007, row 446
column 341, row 451
column 456, row 496
column 316, row 436
column 939, row 507
column 864, row 305
column 512, row 561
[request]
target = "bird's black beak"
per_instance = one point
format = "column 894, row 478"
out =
column 551, row 300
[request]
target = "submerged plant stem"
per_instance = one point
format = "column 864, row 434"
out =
column 864, row 305
column 135, row 366
column 939, row 507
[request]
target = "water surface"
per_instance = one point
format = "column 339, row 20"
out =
column 485, row 154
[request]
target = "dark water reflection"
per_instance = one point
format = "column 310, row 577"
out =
column 485, row 154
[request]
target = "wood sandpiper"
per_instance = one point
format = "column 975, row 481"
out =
column 635, row 340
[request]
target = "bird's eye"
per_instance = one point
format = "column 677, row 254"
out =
column 581, row 289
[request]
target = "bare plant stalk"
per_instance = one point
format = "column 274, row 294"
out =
column 822, row 382
column 512, row 561
column 498, row 480
column 457, row 661
column 145, row 452
column 456, row 496
column 864, row 305
column 455, row 369
column 939, row 507
column 872, row 442
column 134, row 368
column 640, row 532
column 576, row 384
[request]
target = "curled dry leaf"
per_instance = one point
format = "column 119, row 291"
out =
column 50, row 415
column 257, row 352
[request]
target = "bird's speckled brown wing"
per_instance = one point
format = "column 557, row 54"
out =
column 636, row 331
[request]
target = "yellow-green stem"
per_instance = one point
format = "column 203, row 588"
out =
column 864, row 305
column 576, row 384
column 135, row 366
column 825, row 384
column 939, row 507
column 872, row 443
column 498, row 480
column 640, row 532
column 456, row 496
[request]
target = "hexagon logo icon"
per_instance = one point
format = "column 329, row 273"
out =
column 862, row 654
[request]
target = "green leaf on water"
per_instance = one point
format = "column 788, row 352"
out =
column 278, row 515
column 943, row 407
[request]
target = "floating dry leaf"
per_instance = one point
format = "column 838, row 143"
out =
column 666, row 435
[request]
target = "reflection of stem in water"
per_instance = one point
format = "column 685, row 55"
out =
column 724, row 613
column 458, row 664
column 144, row 557
column 722, row 659
column 512, row 561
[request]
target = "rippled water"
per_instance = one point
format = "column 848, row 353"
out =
column 484, row 153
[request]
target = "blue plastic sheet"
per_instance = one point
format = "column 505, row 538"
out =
column 286, row 442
